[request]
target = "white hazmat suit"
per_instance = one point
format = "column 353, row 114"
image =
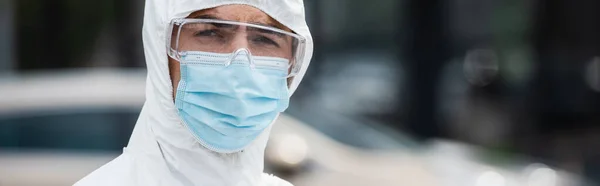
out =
column 161, row 150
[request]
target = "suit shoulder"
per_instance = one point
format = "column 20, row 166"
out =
column 271, row 180
column 114, row 173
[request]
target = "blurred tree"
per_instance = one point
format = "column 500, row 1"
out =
column 63, row 34
column 426, row 50
column 6, row 36
column 566, row 40
column 128, row 18
column 49, row 36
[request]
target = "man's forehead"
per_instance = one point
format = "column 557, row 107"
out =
column 240, row 13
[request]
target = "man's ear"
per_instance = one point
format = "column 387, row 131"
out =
column 289, row 81
column 175, row 74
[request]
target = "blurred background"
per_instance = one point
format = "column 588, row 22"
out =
column 439, row 92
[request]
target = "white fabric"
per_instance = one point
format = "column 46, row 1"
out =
column 161, row 151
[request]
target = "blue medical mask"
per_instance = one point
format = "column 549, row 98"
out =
column 227, row 100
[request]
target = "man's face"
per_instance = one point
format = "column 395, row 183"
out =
column 240, row 13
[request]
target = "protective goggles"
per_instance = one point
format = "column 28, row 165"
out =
column 228, row 37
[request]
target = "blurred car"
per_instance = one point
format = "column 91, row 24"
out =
column 56, row 127
column 59, row 126
column 336, row 150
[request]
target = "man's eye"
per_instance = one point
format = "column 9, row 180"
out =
column 206, row 33
column 265, row 40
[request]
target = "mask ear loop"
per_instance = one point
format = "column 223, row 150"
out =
column 238, row 52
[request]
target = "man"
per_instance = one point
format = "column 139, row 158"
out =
column 219, row 74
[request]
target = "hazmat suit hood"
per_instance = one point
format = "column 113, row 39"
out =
column 161, row 150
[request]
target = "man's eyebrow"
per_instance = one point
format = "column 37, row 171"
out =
column 268, row 24
column 269, row 32
column 206, row 16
